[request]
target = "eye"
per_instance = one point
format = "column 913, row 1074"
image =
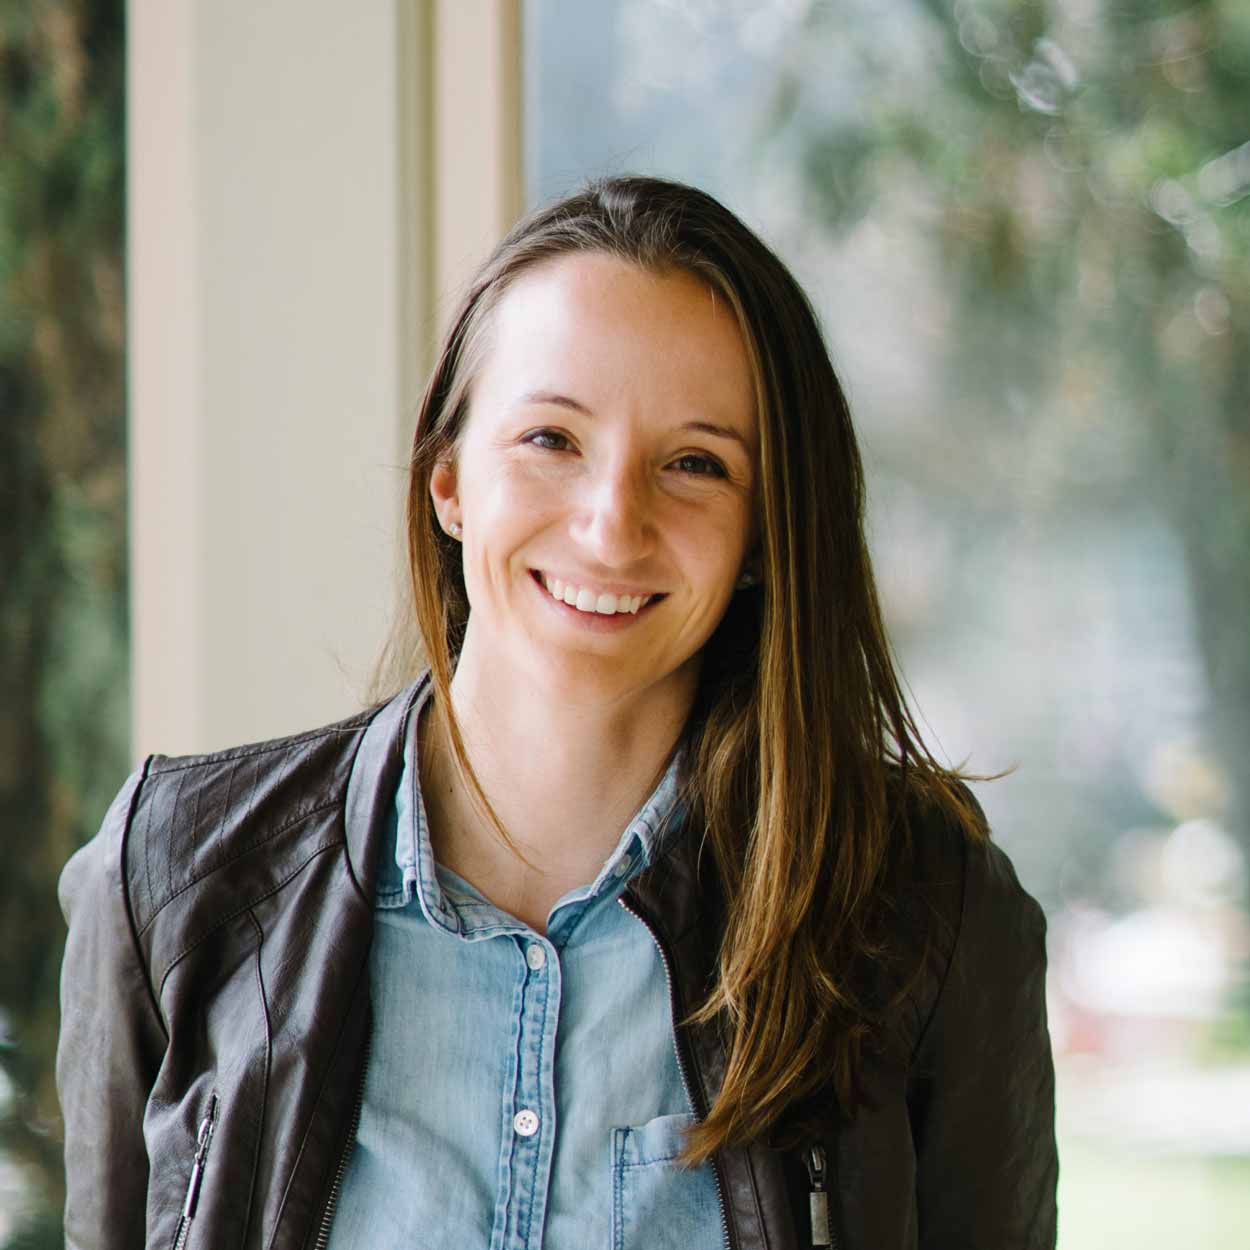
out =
column 705, row 466
column 541, row 434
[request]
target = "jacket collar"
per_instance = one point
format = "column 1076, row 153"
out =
column 371, row 789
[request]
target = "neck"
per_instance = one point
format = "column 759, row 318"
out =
column 565, row 768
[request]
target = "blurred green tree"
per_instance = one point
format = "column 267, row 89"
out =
column 1082, row 170
column 63, row 624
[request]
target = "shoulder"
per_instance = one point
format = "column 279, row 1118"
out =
column 178, row 819
column 975, row 930
column 959, row 867
column 980, row 1075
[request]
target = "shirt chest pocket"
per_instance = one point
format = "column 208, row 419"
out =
column 656, row 1203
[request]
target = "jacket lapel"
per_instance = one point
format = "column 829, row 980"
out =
column 374, row 779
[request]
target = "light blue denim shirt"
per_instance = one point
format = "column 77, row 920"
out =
column 522, row 1091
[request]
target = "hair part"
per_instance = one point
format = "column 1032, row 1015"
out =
column 802, row 754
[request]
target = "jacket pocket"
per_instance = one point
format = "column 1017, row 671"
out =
column 203, row 1144
column 816, row 1161
column 656, row 1203
column 823, row 1225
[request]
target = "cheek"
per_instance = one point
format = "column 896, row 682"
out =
column 728, row 536
column 505, row 516
column 509, row 500
column 712, row 559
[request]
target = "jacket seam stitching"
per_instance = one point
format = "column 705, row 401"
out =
column 243, row 851
column 264, row 1102
column 215, row 836
column 241, row 910
column 145, row 967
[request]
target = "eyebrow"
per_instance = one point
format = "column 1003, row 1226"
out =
column 566, row 401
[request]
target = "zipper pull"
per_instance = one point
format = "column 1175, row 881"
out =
column 201, row 1154
column 818, row 1199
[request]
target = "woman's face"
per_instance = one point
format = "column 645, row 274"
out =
column 610, row 457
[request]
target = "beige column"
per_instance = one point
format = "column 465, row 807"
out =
column 477, row 135
column 307, row 180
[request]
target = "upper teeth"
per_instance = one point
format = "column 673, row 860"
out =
column 589, row 601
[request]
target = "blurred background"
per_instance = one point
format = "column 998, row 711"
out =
column 229, row 233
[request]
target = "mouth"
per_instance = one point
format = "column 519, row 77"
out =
column 589, row 602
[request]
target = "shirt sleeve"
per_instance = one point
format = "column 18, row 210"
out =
column 982, row 1096
column 111, row 1042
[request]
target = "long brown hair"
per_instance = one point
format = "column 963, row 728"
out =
column 800, row 740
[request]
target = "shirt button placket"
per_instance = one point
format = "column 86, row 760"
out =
column 532, row 1126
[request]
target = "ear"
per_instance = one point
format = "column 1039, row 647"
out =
column 444, row 492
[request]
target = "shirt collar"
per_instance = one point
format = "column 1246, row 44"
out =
column 413, row 873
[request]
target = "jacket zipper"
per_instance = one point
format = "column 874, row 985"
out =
column 203, row 1140
column 818, row 1197
column 327, row 1215
column 696, row 1103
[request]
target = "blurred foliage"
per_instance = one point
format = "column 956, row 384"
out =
column 1081, row 168
column 1228, row 1039
column 63, row 627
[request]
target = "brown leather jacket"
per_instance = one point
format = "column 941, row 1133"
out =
column 215, row 1022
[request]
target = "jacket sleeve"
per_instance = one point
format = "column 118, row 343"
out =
column 111, row 1042
column 982, row 1098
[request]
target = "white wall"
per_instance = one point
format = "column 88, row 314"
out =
column 294, row 172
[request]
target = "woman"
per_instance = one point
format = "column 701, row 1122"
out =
column 642, row 917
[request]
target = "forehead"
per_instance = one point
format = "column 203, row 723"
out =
column 606, row 331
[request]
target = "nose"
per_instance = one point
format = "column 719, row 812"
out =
column 615, row 523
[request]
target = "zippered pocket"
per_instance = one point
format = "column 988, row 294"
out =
column 822, row 1198
column 203, row 1141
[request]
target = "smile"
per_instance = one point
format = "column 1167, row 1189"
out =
column 592, row 601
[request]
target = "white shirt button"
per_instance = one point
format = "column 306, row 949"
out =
column 526, row 1122
column 622, row 867
column 535, row 955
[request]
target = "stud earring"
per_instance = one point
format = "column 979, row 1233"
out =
column 746, row 580
column 454, row 529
